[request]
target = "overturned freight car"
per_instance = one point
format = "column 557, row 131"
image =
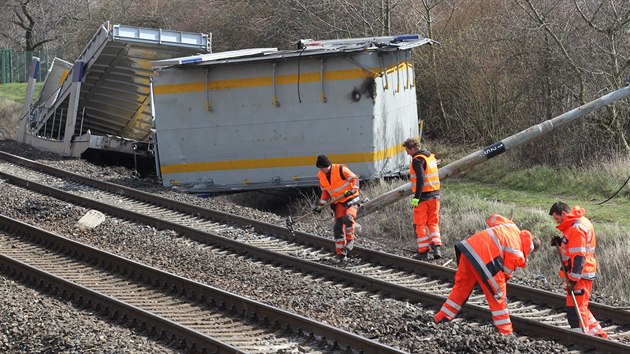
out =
column 257, row 118
column 100, row 102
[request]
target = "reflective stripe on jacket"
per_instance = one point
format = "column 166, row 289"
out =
column 338, row 184
column 431, row 177
column 496, row 249
column 578, row 246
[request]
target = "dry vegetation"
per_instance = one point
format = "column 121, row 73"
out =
column 9, row 114
column 463, row 212
column 501, row 66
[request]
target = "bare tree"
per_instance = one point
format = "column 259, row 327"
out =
column 539, row 17
column 591, row 39
column 33, row 24
column 426, row 14
column 24, row 18
column 611, row 20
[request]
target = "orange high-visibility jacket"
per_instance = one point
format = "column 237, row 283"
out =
column 431, row 178
column 500, row 248
column 578, row 246
column 341, row 180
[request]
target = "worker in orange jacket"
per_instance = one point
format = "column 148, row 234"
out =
column 425, row 184
column 577, row 249
column 341, row 186
column 489, row 258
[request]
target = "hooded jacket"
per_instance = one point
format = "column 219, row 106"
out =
column 578, row 246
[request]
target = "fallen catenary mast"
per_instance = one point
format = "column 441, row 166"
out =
column 488, row 152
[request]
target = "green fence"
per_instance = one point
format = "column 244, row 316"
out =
column 15, row 64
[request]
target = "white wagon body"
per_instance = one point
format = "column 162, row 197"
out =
column 257, row 118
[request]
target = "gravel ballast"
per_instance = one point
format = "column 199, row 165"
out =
column 46, row 324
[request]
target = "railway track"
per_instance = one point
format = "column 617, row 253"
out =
column 533, row 311
column 197, row 317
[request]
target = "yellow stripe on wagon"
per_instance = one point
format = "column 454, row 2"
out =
column 292, row 161
column 268, row 80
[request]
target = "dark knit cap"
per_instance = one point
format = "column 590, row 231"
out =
column 322, row 161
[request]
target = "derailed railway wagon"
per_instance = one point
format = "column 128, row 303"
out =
column 257, row 118
column 100, row 102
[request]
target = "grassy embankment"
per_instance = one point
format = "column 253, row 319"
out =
column 500, row 185
column 11, row 99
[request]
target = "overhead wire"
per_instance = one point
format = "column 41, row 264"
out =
column 617, row 192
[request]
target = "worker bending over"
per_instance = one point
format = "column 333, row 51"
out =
column 489, row 258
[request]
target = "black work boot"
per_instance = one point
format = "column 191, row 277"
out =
column 421, row 256
column 437, row 253
column 342, row 256
column 349, row 246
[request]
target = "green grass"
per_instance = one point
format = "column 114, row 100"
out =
column 500, row 185
column 617, row 210
column 11, row 101
column 17, row 91
column 595, row 183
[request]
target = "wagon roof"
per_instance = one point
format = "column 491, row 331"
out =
column 305, row 48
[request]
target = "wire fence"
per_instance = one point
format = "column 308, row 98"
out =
column 15, row 64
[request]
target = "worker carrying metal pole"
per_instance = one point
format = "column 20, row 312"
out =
column 425, row 185
column 509, row 143
column 339, row 183
column 577, row 249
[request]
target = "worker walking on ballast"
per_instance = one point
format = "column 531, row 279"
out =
column 425, row 184
column 489, row 258
column 577, row 249
column 340, row 184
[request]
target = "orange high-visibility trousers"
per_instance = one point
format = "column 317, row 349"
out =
column 427, row 215
column 582, row 291
column 344, row 226
column 465, row 279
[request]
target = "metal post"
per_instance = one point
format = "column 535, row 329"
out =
column 384, row 73
column 23, row 71
column 10, row 65
column 321, row 77
column 397, row 71
column 59, row 129
column 275, row 93
column 4, row 65
column 208, row 103
column 30, row 89
column 46, row 124
column 82, row 117
column 73, row 106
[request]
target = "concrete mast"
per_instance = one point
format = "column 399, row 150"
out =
column 488, row 152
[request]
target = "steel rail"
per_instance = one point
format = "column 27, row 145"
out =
column 601, row 311
column 393, row 261
column 202, row 293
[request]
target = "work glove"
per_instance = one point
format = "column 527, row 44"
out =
column 318, row 209
column 414, row 202
column 569, row 285
column 556, row 241
column 348, row 193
